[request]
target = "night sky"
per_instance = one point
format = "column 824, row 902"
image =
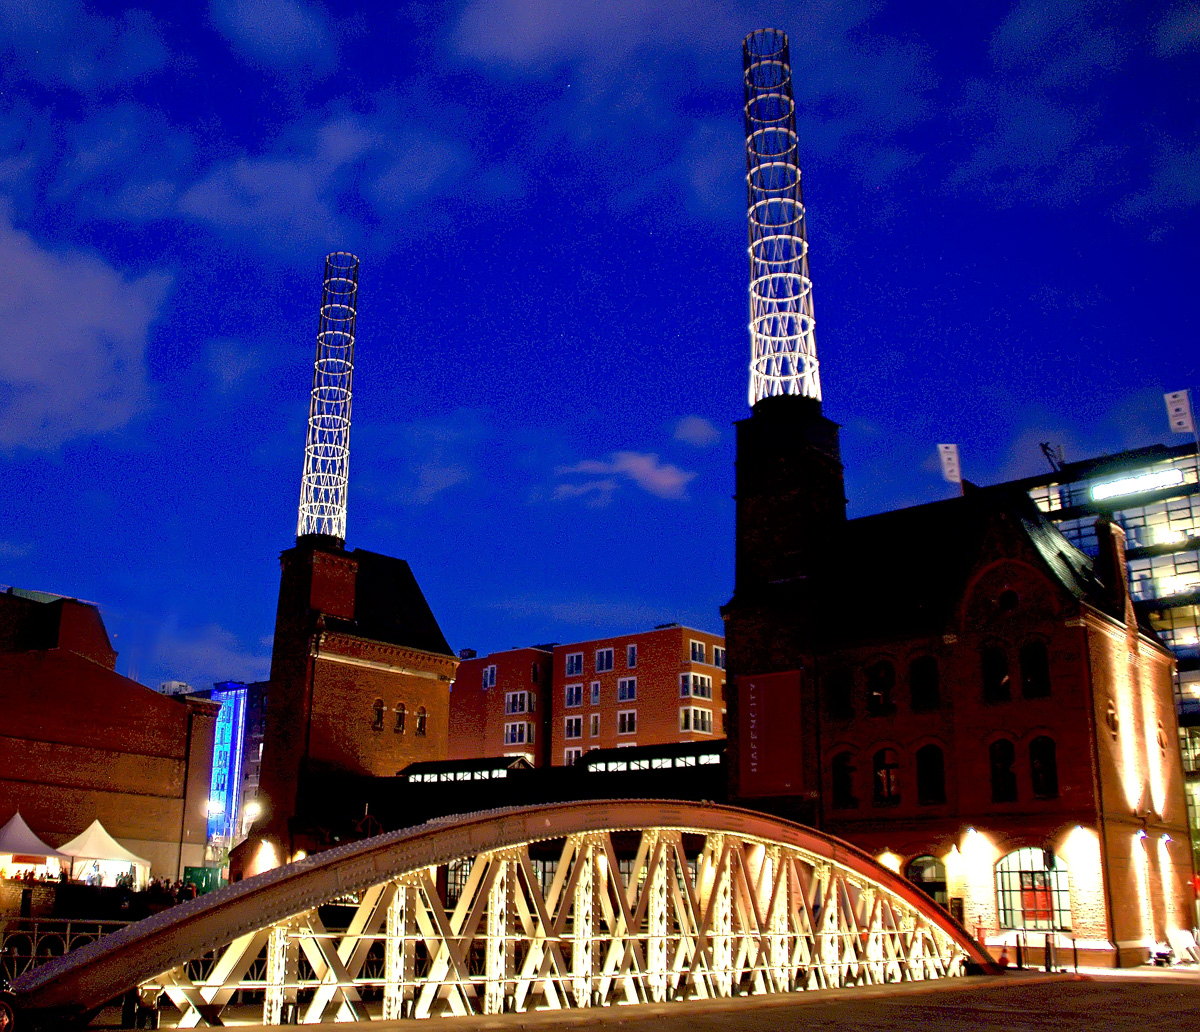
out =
column 548, row 200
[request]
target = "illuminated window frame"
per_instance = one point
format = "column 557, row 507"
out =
column 1032, row 895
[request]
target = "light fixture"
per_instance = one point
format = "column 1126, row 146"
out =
column 1141, row 833
column 1166, row 838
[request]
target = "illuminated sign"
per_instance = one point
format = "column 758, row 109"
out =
column 1135, row 485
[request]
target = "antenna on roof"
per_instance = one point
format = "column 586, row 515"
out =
column 1054, row 455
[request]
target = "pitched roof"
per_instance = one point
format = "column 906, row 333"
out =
column 95, row 843
column 17, row 838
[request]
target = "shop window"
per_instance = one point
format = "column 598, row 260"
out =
column 1035, row 670
column 996, row 684
column 881, row 681
column 377, row 719
column 887, row 777
column 931, row 775
column 843, row 782
column 924, row 684
column 1033, row 891
column 1043, row 767
column 839, row 694
column 928, row 874
column 400, row 715
column 1001, row 755
column 422, row 718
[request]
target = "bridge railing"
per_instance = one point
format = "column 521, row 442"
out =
column 26, row 943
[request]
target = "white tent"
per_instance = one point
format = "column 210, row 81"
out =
column 20, row 847
column 96, row 848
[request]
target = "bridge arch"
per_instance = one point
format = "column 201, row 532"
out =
column 565, row 905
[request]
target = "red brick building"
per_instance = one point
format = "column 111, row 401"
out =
column 957, row 689
column 554, row 703
column 78, row 741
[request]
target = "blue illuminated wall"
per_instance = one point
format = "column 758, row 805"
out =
column 225, row 791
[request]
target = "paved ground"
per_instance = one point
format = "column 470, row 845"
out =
column 1147, row 1001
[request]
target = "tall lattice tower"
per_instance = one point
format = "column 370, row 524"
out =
column 783, row 350
column 327, row 449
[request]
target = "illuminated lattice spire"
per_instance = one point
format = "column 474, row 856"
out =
column 783, row 351
column 327, row 450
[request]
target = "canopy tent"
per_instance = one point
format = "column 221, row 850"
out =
column 20, row 848
column 107, row 857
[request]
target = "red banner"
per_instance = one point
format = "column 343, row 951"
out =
column 769, row 734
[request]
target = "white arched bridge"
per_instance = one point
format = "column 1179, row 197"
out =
column 570, row 905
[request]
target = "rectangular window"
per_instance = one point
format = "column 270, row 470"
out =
column 695, row 685
column 604, row 660
column 693, row 718
column 574, row 695
column 595, row 725
column 571, row 755
column 518, row 734
column 533, row 673
column 698, row 652
column 595, row 693
column 489, row 676
column 627, row 689
column 719, row 656
column 574, row 664
column 574, row 727
column 627, row 722
column 517, row 702
column 630, row 657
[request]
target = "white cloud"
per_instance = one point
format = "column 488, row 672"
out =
column 279, row 34
column 644, row 468
column 74, row 362
column 229, row 363
column 696, row 431
column 598, row 613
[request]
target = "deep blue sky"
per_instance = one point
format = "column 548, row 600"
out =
column 547, row 197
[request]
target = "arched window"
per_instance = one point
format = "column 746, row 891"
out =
column 843, row 782
column 1033, row 891
column 931, row 775
column 881, row 680
column 421, row 716
column 377, row 719
column 887, row 777
column 1043, row 767
column 928, row 874
column 839, row 694
column 923, row 684
column 1001, row 755
column 400, row 715
column 1035, row 670
column 996, row 685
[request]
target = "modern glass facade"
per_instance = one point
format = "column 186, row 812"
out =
column 225, row 790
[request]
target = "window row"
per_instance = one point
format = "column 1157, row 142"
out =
column 694, row 718
column 931, row 774
column 604, row 659
column 699, row 653
column 697, row 686
column 626, row 725
column 924, row 681
column 379, row 711
column 489, row 675
column 573, row 693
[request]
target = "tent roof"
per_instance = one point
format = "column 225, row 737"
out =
column 97, row 844
column 15, row 837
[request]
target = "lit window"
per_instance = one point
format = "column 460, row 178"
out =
column 604, row 660
column 574, row 695
column 377, row 719
column 630, row 657
column 698, row 652
column 422, row 717
column 627, row 689
column 719, row 656
column 595, row 693
column 693, row 718
column 518, row 734
column 489, row 676
column 887, row 778
column 659, row 762
column 1033, row 891
column 574, row 663
column 595, row 725
column 574, row 727
column 928, row 874
column 571, row 755
column 400, row 714
column 709, row 758
column 627, row 722
column 1001, row 755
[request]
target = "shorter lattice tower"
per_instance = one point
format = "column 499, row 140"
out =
column 327, row 449
column 783, row 350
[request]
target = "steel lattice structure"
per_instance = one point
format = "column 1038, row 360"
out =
column 327, row 448
column 629, row 901
column 783, row 350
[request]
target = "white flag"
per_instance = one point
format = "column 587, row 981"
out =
column 951, row 470
column 1179, row 412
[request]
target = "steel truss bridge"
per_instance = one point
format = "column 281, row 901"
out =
column 564, row 906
